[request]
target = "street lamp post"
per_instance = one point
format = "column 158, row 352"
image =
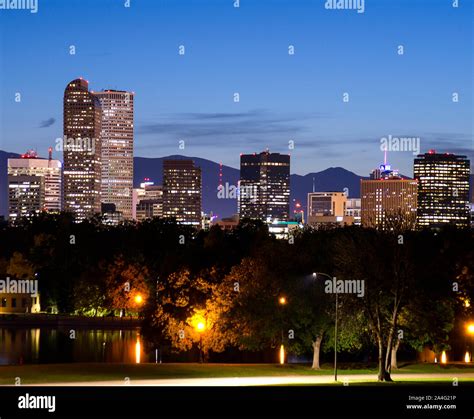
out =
column 139, row 302
column 470, row 331
column 315, row 275
column 201, row 360
column 200, row 328
column 282, row 302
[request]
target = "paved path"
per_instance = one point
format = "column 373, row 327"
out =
column 265, row 381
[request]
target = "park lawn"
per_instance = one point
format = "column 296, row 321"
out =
column 89, row 372
column 34, row 374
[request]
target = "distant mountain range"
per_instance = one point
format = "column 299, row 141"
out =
column 331, row 179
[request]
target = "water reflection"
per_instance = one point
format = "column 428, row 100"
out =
column 137, row 350
column 35, row 345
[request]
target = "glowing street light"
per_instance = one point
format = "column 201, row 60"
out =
column 282, row 354
column 470, row 331
column 200, row 326
column 138, row 299
column 444, row 358
column 282, row 302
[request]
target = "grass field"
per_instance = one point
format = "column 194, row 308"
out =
column 60, row 373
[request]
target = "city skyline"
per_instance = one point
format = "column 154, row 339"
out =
column 282, row 97
column 237, row 195
column 260, row 178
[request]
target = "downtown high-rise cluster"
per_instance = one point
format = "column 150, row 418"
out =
column 96, row 177
column 438, row 195
column 97, row 150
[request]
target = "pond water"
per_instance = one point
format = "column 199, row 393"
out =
column 56, row 345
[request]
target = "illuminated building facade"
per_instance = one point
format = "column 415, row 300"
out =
column 25, row 196
column 182, row 191
column 264, row 187
column 443, row 190
column 353, row 208
column 387, row 200
column 117, row 136
column 34, row 185
column 81, row 150
column 149, row 202
column 328, row 208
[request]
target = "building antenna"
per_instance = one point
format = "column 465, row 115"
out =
column 385, row 158
column 313, row 185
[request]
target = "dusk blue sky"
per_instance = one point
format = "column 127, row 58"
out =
column 282, row 97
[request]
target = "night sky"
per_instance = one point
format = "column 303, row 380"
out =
column 244, row 50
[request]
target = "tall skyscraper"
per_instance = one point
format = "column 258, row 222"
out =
column 182, row 191
column 81, row 150
column 443, row 189
column 117, row 149
column 39, row 179
column 264, row 186
column 387, row 200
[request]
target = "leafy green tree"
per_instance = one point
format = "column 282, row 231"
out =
column 255, row 306
column 384, row 263
column 311, row 316
column 90, row 293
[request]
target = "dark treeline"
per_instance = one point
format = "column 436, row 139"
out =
column 415, row 288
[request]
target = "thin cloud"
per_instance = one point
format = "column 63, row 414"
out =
column 47, row 123
column 225, row 125
column 457, row 143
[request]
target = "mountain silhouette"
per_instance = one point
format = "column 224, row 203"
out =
column 331, row 179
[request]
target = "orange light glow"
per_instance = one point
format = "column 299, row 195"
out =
column 138, row 299
column 444, row 358
column 199, row 322
column 282, row 354
column 200, row 327
column 470, row 328
column 138, row 349
column 467, row 358
column 282, row 300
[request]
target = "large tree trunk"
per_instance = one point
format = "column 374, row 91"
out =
column 388, row 352
column 384, row 373
column 316, row 351
column 394, row 363
column 381, row 363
